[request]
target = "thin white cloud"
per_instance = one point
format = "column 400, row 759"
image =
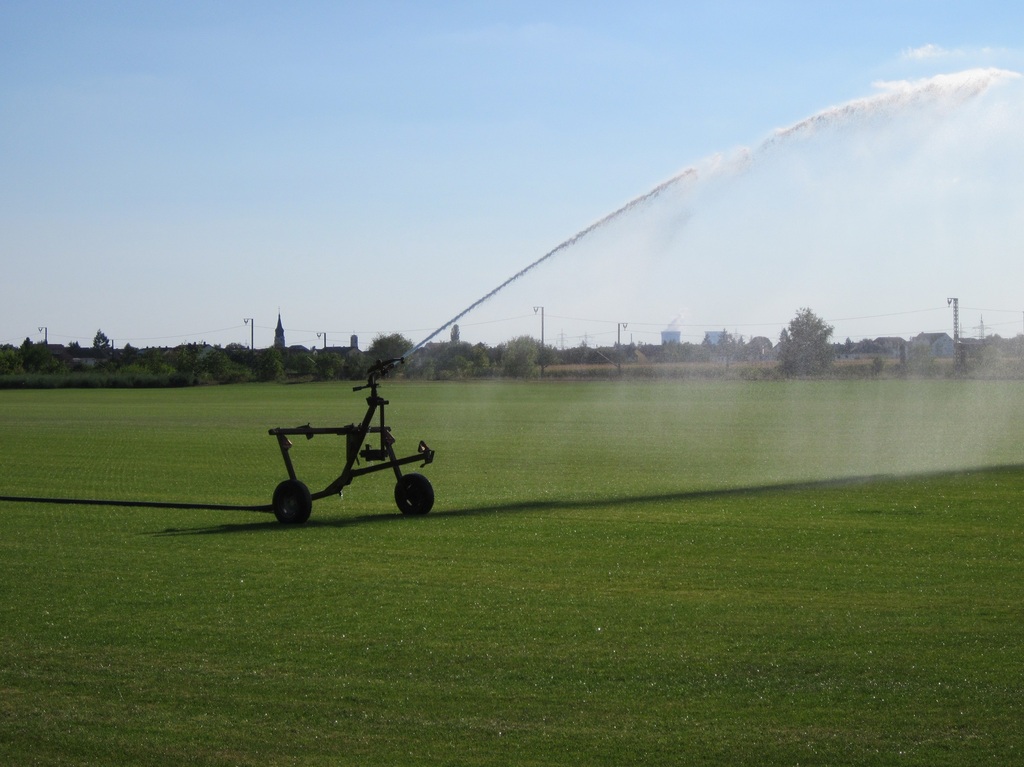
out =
column 929, row 51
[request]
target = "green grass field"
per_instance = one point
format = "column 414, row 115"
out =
column 689, row 573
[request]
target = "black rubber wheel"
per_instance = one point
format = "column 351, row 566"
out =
column 414, row 494
column 292, row 502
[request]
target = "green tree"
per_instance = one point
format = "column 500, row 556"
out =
column 186, row 360
column 270, row 365
column 10, row 360
column 805, row 347
column 519, row 358
column 213, row 363
column 128, row 356
column 386, row 347
column 154, row 361
column 353, row 365
column 300, row 363
column 37, row 358
column 100, row 341
column 328, row 365
column 451, row 360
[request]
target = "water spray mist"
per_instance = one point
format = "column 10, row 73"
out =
column 945, row 92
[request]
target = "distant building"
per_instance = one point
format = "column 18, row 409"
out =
column 892, row 347
column 671, row 337
column 938, row 344
column 279, row 334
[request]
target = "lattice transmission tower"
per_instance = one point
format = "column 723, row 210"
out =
column 957, row 351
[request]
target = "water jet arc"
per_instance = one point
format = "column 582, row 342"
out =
column 949, row 90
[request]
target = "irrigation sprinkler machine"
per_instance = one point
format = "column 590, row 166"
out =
column 293, row 501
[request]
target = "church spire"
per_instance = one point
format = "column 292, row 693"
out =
column 279, row 332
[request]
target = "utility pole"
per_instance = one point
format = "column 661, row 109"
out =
column 618, row 345
column 45, row 331
column 252, row 331
column 535, row 310
column 324, row 334
column 955, row 303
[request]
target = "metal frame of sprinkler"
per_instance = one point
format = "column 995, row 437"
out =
column 293, row 501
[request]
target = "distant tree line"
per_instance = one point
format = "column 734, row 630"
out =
column 805, row 349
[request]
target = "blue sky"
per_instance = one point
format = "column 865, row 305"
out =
column 169, row 169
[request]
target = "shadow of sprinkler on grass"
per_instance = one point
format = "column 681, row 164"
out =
column 554, row 504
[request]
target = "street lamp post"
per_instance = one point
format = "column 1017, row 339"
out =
column 324, row 334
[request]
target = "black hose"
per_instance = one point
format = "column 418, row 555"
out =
column 139, row 504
